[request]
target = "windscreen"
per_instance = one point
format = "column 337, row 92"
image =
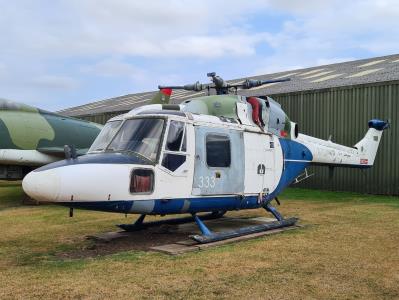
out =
column 105, row 136
column 140, row 136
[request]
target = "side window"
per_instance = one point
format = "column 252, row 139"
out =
column 218, row 152
column 173, row 161
column 142, row 181
column 175, row 146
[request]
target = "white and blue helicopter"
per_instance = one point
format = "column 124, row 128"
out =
column 214, row 153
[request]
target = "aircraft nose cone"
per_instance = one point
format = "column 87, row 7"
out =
column 42, row 186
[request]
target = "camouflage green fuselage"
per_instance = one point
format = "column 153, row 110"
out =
column 28, row 128
column 31, row 137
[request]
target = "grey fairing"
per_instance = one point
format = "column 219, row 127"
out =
column 277, row 117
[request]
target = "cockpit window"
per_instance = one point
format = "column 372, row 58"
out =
column 139, row 136
column 183, row 145
column 175, row 146
column 105, row 136
column 175, row 135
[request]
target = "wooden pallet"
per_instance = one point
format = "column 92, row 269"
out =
column 174, row 247
column 185, row 246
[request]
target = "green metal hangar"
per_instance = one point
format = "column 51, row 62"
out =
column 333, row 101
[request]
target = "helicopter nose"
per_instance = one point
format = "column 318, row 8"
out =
column 42, row 186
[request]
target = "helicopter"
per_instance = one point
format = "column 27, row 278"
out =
column 210, row 154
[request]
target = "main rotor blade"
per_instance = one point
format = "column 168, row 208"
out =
column 196, row 87
column 250, row 83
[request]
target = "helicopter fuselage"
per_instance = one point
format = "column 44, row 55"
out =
column 158, row 161
column 201, row 163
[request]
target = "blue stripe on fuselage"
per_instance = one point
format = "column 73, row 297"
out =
column 120, row 206
column 172, row 206
column 296, row 158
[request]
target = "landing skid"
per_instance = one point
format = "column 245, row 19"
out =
column 140, row 225
column 219, row 236
column 208, row 236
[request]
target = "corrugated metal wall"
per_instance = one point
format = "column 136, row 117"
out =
column 344, row 113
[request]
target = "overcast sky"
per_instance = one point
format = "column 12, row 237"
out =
column 58, row 54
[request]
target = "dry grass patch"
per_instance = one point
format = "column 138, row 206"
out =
column 349, row 250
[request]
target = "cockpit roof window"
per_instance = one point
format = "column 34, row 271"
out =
column 105, row 136
column 139, row 136
column 163, row 112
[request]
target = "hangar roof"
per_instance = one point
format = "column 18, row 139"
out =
column 377, row 69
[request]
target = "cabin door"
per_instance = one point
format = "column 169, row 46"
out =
column 259, row 163
column 219, row 161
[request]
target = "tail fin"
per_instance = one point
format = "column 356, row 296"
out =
column 162, row 97
column 368, row 146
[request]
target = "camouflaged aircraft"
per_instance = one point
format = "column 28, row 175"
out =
column 31, row 137
column 213, row 154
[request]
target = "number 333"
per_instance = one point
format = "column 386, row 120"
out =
column 206, row 182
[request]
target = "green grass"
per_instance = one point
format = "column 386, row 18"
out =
column 11, row 194
column 348, row 250
column 297, row 194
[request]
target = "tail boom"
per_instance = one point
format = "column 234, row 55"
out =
column 362, row 155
